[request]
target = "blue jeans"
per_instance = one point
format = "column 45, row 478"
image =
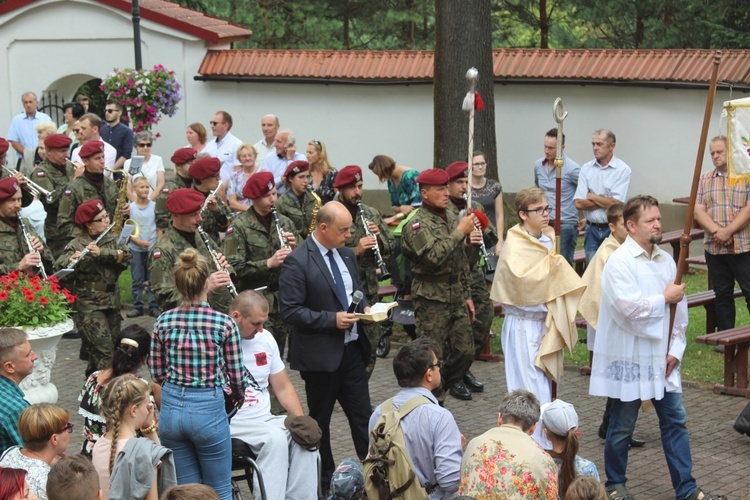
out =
column 568, row 240
column 593, row 239
column 674, row 440
column 195, row 427
column 139, row 271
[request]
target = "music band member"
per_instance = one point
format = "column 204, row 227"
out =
column 14, row 250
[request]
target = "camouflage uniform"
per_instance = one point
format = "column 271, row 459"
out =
column 215, row 222
column 483, row 310
column 441, row 287
column 248, row 246
column 13, row 247
column 55, row 181
column 163, row 217
column 368, row 267
column 95, row 282
column 79, row 190
column 288, row 204
column 161, row 262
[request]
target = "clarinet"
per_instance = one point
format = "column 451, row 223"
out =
column 86, row 249
column 212, row 193
column 26, row 237
column 279, row 231
column 384, row 274
column 488, row 267
column 215, row 258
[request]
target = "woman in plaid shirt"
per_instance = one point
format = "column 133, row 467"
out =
column 195, row 351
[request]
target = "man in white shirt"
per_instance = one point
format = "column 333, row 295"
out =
column 283, row 153
column 269, row 125
column 225, row 145
column 289, row 470
column 22, row 135
column 636, row 357
column 90, row 124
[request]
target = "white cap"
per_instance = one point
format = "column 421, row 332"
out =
column 559, row 417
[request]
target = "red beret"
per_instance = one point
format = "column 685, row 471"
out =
column 4, row 145
column 350, row 174
column 296, row 167
column 433, row 177
column 91, row 148
column 8, row 187
column 205, row 167
column 258, row 184
column 457, row 169
column 57, row 141
column 183, row 155
column 184, row 201
column 88, row 210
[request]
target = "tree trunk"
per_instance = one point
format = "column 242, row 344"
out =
column 544, row 25
column 463, row 32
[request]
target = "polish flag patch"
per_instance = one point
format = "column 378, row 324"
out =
column 415, row 226
column 40, row 174
column 67, row 192
column 165, row 190
column 230, row 230
column 157, row 255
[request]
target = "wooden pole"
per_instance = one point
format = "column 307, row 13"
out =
column 472, row 76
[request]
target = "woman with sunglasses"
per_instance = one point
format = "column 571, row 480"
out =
column 152, row 169
column 322, row 172
column 45, row 431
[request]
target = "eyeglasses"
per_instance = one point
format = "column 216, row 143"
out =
column 439, row 364
column 144, row 145
column 105, row 217
column 213, row 124
column 111, row 110
column 77, row 130
column 479, row 164
column 317, row 143
column 68, row 427
column 540, row 211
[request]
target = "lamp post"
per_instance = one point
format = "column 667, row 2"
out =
column 136, row 12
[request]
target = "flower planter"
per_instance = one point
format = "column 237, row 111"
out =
column 37, row 386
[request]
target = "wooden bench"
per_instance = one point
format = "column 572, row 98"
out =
column 736, row 343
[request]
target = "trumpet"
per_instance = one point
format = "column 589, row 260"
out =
column 32, row 187
column 86, row 250
column 27, row 238
column 215, row 258
column 384, row 274
column 488, row 266
column 279, row 231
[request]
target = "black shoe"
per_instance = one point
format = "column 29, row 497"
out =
column 72, row 334
column 134, row 313
column 472, row 383
column 459, row 391
column 155, row 312
column 637, row 443
column 84, row 353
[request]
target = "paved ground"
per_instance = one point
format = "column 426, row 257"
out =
column 720, row 455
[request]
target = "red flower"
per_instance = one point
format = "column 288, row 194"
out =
column 54, row 288
column 43, row 300
column 37, row 288
column 30, row 298
column 4, row 295
column 14, row 275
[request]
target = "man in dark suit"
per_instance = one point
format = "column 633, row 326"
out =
column 316, row 286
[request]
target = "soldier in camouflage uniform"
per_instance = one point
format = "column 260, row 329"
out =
column 433, row 243
column 184, row 205
column 254, row 249
column 349, row 183
column 93, row 184
column 298, row 203
column 95, row 281
column 14, row 251
column 205, row 174
column 54, row 174
column 182, row 159
column 458, row 173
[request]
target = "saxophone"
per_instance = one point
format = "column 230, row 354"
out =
column 315, row 211
column 118, row 218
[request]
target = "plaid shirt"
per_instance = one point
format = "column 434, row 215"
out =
column 197, row 347
column 12, row 403
column 722, row 204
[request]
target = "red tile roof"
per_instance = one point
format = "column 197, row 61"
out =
column 684, row 66
column 169, row 14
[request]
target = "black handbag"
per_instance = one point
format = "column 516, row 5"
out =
column 742, row 425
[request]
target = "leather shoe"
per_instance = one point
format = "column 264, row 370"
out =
column 134, row 313
column 636, row 443
column 84, row 353
column 155, row 312
column 472, row 383
column 460, row 391
column 72, row 334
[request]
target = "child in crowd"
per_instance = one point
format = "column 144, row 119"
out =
column 193, row 491
column 586, row 488
column 142, row 213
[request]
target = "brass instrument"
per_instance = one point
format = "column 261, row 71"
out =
column 118, row 218
column 86, row 250
column 215, row 258
column 32, row 187
column 384, row 274
column 27, row 238
column 314, row 217
column 212, row 193
column 488, row 266
column 279, row 231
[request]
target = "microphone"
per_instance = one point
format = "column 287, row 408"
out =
column 357, row 297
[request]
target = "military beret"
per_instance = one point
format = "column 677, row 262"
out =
column 8, row 187
column 457, row 170
column 87, row 211
column 183, row 155
column 91, row 148
column 205, row 167
column 350, row 174
column 304, row 430
column 296, row 167
column 4, row 145
column 433, row 177
column 57, row 141
column 258, row 184
column 184, row 201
